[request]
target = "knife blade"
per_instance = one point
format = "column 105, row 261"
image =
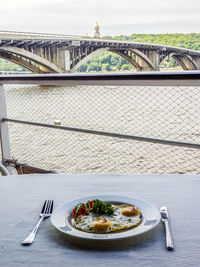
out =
column 165, row 219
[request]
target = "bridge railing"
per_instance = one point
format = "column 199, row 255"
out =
column 102, row 123
column 35, row 34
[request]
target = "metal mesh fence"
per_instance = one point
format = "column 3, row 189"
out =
column 170, row 113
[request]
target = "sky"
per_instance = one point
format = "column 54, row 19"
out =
column 115, row 17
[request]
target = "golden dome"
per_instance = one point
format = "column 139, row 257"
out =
column 96, row 26
column 96, row 31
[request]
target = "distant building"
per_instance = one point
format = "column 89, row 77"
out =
column 96, row 31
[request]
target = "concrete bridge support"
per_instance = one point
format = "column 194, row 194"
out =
column 197, row 62
column 185, row 61
column 144, row 61
column 29, row 60
column 66, row 55
column 154, row 56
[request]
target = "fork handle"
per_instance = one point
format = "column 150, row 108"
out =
column 169, row 242
column 29, row 240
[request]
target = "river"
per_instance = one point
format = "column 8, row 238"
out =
column 170, row 113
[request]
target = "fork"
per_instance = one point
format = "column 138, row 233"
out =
column 45, row 213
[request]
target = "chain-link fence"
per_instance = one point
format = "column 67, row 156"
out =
column 169, row 113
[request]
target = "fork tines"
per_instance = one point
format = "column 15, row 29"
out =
column 47, row 207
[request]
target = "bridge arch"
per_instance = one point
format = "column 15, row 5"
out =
column 23, row 62
column 140, row 61
column 28, row 60
column 184, row 60
column 86, row 58
column 130, row 59
column 145, row 60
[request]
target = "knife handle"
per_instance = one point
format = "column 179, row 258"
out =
column 169, row 242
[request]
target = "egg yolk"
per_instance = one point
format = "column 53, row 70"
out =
column 101, row 224
column 130, row 211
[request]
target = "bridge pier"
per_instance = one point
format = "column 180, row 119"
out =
column 66, row 55
column 154, row 56
column 197, row 62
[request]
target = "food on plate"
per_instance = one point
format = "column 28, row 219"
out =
column 97, row 216
column 130, row 211
column 101, row 224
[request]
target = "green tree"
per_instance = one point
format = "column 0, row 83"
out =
column 126, row 67
column 106, row 67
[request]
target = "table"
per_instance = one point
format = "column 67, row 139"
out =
column 21, row 198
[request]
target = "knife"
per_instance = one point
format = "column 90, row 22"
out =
column 165, row 219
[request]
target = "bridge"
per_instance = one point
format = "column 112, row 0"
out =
column 56, row 53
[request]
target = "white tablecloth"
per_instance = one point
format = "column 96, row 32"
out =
column 21, row 199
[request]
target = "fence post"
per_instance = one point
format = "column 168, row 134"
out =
column 4, row 136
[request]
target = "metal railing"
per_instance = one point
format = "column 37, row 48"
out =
column 111, row 123
column 36, row 35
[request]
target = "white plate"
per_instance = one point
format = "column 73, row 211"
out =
column 62, row 217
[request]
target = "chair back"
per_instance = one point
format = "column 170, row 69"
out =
column 3, row 170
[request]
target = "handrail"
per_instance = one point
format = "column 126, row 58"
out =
column 182, row 78
column 109, row 134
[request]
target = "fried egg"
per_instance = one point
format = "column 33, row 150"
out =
column 130, row 211
column 123, row 218
column 101, row 224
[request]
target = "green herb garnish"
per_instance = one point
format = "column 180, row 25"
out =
column 101, row 208
column 95, row 206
